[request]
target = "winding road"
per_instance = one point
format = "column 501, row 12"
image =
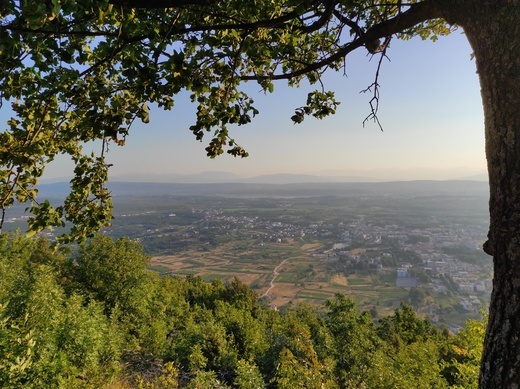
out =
column 275, row 274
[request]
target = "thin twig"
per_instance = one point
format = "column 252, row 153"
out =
column 374, row 101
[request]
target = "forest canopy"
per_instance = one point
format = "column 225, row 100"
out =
column 99, row 318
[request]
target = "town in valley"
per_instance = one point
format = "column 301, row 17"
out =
column 381, row 244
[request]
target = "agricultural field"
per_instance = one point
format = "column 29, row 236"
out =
column 281, row 274
column 381, row 244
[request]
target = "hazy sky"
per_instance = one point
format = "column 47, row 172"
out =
column 430, row 109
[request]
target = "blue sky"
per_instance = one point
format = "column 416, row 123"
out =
column 430, row 109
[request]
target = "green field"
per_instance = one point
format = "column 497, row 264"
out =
column 284, row 235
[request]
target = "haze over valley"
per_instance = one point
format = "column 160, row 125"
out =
column 380, row 243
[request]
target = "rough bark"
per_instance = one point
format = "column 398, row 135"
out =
column 493, row 30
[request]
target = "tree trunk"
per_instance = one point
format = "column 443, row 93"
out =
column 493, row 30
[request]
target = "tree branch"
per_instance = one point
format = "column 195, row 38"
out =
column 350, row 23
column 156, row 4
column 415, row 14
column 329, row 8
column 277, row 22
column 374, row 101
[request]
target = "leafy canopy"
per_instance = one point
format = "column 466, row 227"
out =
column 77, row 72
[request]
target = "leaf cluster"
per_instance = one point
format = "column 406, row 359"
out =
column 75, row 75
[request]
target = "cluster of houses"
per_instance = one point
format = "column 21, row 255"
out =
column 427, row 244
column 471, row 281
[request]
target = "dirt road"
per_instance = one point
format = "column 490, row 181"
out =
column 275, row 274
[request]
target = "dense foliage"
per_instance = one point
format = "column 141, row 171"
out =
column 74, row 72
column 98, row 318
column 80, row 71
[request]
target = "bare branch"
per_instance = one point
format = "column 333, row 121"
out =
column 353, row 25
column 374, row 88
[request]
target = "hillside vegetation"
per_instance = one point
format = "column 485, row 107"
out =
column 96, row 317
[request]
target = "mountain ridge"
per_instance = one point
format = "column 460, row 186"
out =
column 411, row 188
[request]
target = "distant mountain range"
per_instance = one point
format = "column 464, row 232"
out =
column 401, row 188
column 212, row 177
